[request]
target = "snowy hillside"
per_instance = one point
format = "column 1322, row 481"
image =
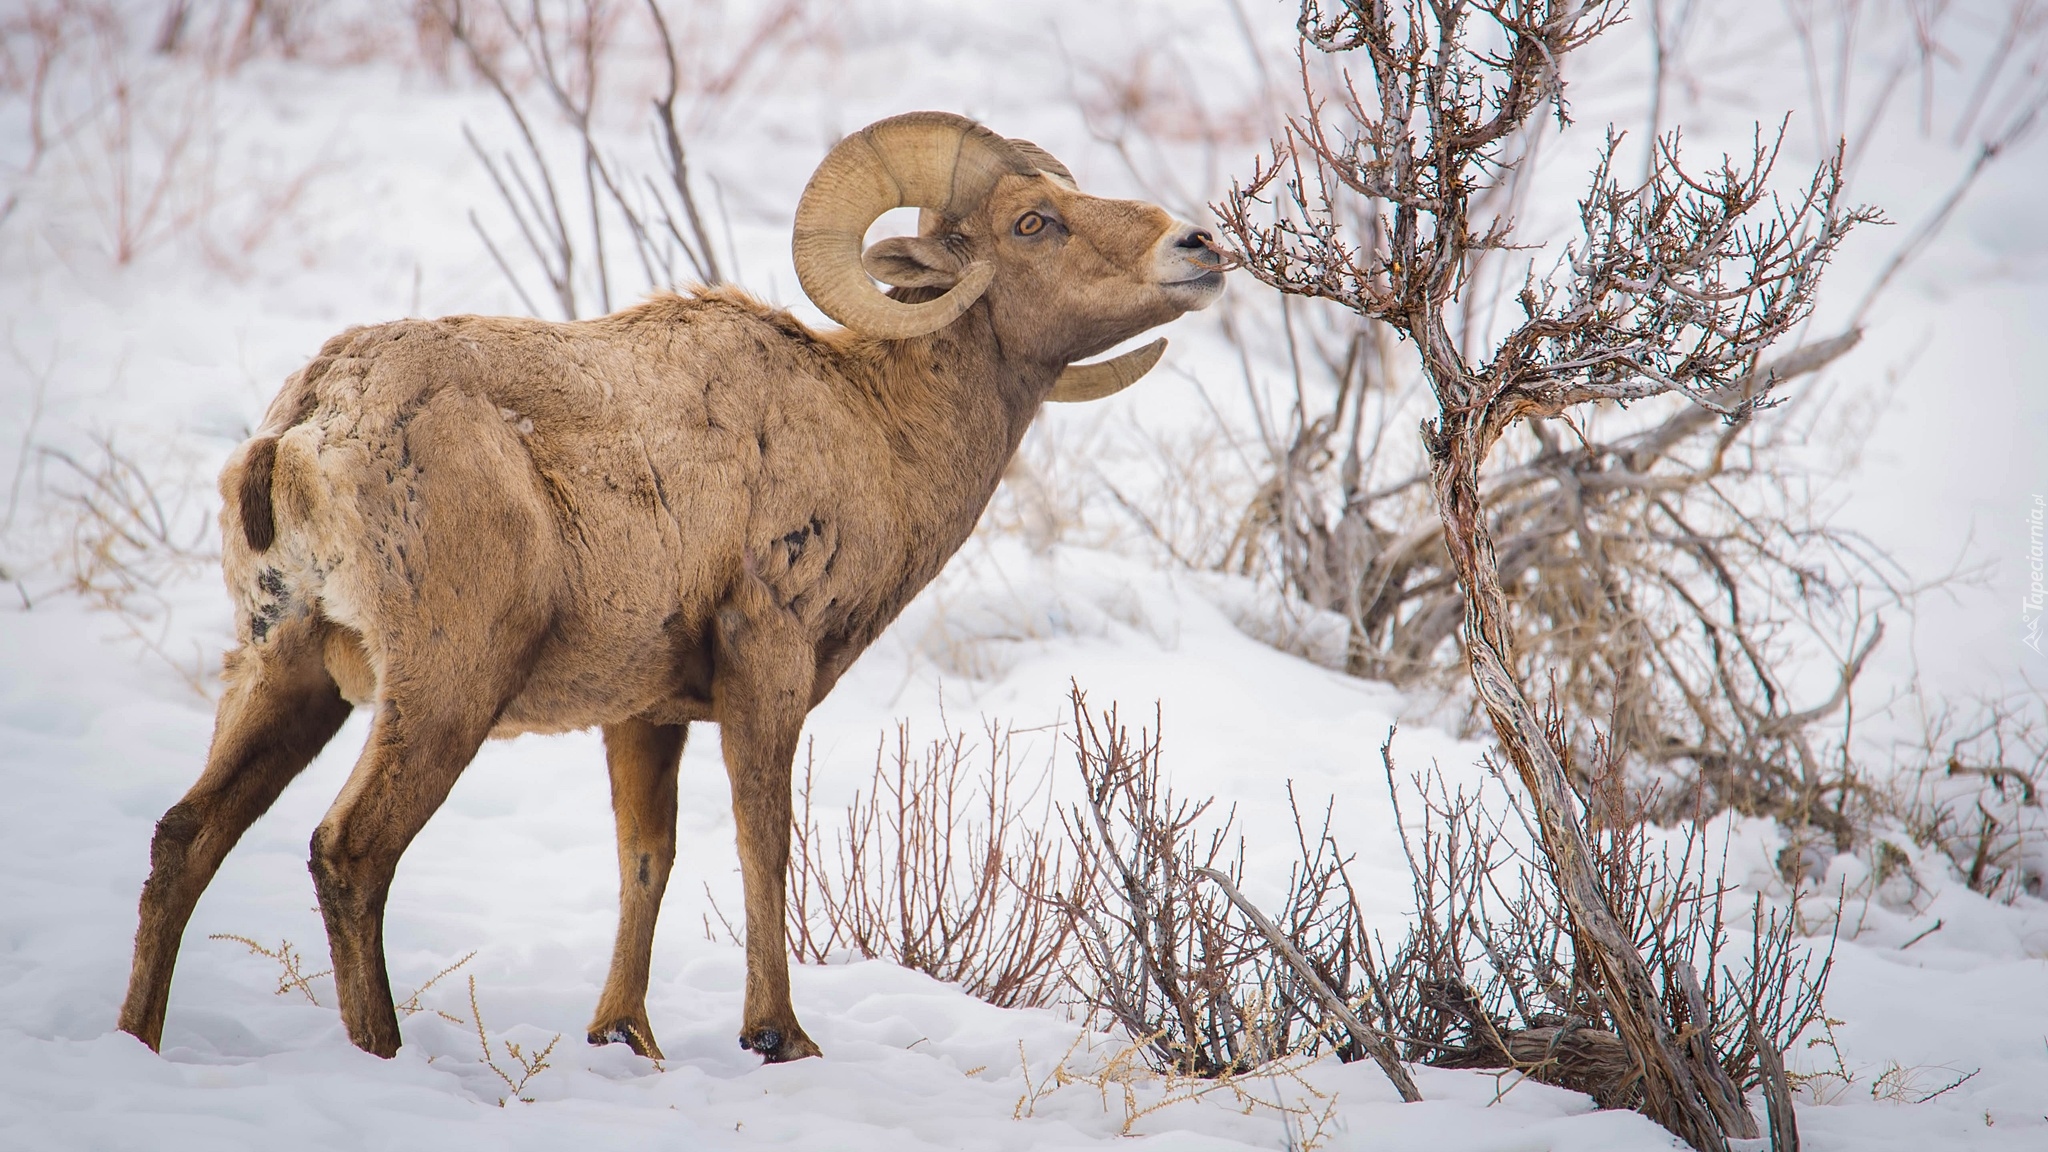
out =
column 156, row 307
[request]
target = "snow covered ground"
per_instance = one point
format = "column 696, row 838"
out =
column 175, row 353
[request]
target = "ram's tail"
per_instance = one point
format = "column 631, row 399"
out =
column 269, row 492
column 252, row 501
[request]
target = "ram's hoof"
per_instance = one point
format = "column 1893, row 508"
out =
column 629, row 1033
column 774, row 1047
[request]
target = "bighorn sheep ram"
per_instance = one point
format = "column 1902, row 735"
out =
column 694, row 509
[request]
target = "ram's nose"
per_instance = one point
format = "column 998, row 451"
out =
column 1198, row 245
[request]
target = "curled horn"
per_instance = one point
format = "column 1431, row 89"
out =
column 1094, row 381
column 929, row 222
column 932, row 160
column 1046, row 161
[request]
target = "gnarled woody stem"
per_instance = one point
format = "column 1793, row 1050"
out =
column 1457, row 444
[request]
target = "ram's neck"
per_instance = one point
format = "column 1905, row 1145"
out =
column 956, row 408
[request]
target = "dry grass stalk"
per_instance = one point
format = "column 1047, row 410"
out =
column 292, row 976
column 1919, row 1083
column 938, row 867
column 1891, row 1082
column 529, row 1065
column 411, row 1004
column 1124, row 1078
column 127, row 533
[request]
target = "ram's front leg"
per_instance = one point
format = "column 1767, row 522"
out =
column 765, row 669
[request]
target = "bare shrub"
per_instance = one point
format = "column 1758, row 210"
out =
column 1493, row 974
column 1205, row 984
column 1682, row 577
column 1162, row 954
column 1973, row 793
column 34, row 40
column 411, row 1004
column 937, row 867
column 569, row 224
column 1677, row 286
column 1668, row 572
column 140, row 137
column 127, row 533
column 225, row 34
column 133, row 139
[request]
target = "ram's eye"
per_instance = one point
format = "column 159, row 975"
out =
column 1030, row 224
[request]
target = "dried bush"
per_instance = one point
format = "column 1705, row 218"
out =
column 1679, row 575
column 1162, row 953
column 1493, row 974
column 1171, row 951
column 1973, row 793
column 1669, row 573
column 133, row 139
column 137, row 136
column 938, row 867
column 570, row 224
column 226, row 34
column 34, row 41
column 126, row 531
column 1677, row 285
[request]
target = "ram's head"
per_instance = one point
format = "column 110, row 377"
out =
column 1065, row 275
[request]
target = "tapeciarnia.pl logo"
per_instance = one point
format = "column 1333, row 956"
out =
column 2037, row 577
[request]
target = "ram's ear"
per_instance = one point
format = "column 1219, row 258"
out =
column 912, row 262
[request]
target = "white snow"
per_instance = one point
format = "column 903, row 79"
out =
column 175, row 354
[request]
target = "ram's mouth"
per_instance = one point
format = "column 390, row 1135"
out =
column 1195, row 292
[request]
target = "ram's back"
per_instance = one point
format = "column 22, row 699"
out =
column 619, row 474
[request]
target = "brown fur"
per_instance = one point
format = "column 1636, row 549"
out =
column 694, row 509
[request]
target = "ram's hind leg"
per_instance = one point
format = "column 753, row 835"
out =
column 279, row 709
column 643, row 759
column 419, row 744
column 460, row 570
